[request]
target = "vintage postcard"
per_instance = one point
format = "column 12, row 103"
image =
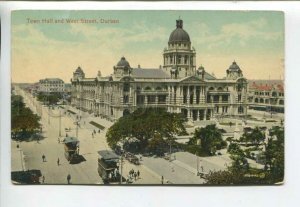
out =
column 147, row 97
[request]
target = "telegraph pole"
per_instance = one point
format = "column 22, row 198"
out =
column 59, row 122
column 77, row 122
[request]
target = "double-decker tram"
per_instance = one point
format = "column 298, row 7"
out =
column 71, row 145
column 108, row 168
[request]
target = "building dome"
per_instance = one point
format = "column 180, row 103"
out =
column 179, row 34
column 79, row 70
column 123, row 63
column 234, row 66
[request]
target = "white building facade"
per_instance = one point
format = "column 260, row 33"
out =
column 51, row 85
column 178, row 86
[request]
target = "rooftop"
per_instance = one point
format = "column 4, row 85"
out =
column 108, row 155
column 149, row 73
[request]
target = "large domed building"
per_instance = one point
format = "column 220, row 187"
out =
column 178, row 86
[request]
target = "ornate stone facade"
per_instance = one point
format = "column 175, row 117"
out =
column 177, row 86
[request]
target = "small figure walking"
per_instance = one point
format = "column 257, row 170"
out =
column 162, row 180
column 69, row 178
column 66, row 134
column 43, row 179
column 58, row 161
column 43, row 157
column 135, row 175
column 99, row 131
column 58, row 140
column 138, row 174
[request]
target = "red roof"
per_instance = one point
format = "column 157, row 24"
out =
column 266, row 87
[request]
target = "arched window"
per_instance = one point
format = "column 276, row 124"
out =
column 179, row 59
column 261, row 100
column 281, row 102
column 126, row 87
column 220, row 89
column 211, row 89
column 158, row 88
column 185, row 59
column 148, row 88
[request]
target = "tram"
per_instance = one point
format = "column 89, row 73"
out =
column 108, row 168
column 71, row 145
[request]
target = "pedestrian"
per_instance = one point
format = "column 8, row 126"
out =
column 202, row 168
column 43, row 179
column 99, row 131
column 138, row 174
column 94, row 131
column 58, row 140
column 43, row 157
column 66, row 134
column 132, row 172
column 162, row 180
column 92, row 134
column 69, row 178
column 134, row 175
column 58, row 161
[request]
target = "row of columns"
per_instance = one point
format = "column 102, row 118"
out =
column 199, row 114
column 171, row 59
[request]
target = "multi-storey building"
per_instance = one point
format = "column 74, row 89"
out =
column 266, row 97
column 51, row 85
column 178, row 86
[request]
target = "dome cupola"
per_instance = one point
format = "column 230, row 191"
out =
column 122, row 68
column 179, row 34
column 234, row 71
column 123, row 63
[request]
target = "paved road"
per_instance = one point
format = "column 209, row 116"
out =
column 83, row 173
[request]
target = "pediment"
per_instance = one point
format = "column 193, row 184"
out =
column 192, row 79
column 127, row 79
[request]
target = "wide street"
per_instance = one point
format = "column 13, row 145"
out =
column 82, row 173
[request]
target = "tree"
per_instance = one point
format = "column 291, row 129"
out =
column 23, row 122
column 275, row 154
column 255, row 136
column 210, row 138
column 239, row 161
column 234, row 178
column 150, row 126
column 49, row 98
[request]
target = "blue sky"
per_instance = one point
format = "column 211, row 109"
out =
column 254, row 39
